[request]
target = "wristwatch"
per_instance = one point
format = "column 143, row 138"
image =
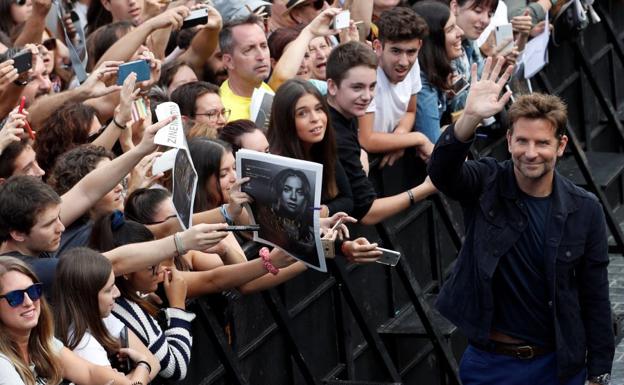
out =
column 603, row 379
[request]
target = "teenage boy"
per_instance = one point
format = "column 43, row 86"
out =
column 389, row 120
column 530, row 287
column 351, row 80
column 246, row 57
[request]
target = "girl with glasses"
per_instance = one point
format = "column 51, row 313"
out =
column 29, row 353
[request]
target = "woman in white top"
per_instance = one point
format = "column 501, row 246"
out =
column 29, row 353
column 84, row 295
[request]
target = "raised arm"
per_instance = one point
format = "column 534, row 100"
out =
column 94, row 87
column 288, row 65
column 34, row 26
column 80, row 198
column 125, row 47
column 484, row 98
column 204, row 43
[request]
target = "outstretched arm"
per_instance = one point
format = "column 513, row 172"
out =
column 288, row 65
column 204, row 43
column 80, row 198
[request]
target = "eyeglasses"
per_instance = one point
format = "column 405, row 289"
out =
column 16, row 297
column 214, row 114
column 50, row 44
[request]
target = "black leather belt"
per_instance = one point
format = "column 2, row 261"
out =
column 523, row 352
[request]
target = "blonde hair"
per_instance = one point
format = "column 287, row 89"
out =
column 47, row 363
column 203, row 130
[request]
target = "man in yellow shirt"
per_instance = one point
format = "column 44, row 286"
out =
column 246, row 58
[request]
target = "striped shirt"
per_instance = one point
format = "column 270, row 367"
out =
column 172, row 346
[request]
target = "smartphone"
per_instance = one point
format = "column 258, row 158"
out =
column 140, row 67
column 389, row 257
column 243, row 228
column 459, row 85
column 121, row 364
column 29, row 130
column 196, row 17
column 504, row 33
column 23, row 61
column 341, row 20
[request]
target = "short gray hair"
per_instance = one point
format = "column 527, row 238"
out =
column 226, row 42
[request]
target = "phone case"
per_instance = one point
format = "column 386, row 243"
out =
column 140, row 67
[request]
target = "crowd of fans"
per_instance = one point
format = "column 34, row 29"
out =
column 95, row 269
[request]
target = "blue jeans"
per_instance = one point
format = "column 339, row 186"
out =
column 479, row 367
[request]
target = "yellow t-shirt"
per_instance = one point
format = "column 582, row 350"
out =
column 238, row 104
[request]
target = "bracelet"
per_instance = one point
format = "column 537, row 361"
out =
column 410, row 194
column 118, row 125
column 266, row 261
column 177, row 239
column 146, row 364
column 226, row 216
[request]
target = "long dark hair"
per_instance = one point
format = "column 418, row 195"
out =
column 141, row 204
column 282, row 135
column 6, row 21
column 97, row 16
column 112, row 231
column 80, row 275
column 206, row 155
column 433, row 60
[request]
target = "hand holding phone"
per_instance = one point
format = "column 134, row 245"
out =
column 504, row 39
column 341, row 20
column 196, row 17
column 29, row 130
column 140, row 67
column 388, row 257
column 23, row 61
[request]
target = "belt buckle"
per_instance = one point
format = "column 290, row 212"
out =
column 525, row 352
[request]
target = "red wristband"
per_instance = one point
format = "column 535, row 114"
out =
column 266, row 261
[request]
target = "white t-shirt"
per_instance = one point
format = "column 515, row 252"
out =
column 90, row 349
column 391, row 100
column 9, row 376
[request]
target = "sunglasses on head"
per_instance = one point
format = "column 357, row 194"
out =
column 50, row 44
column 16, row 297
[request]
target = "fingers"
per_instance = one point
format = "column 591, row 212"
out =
column 505, row 77
column 497, row 68
column 473, row 71
column 239, row 182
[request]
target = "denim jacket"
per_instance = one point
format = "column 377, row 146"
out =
column 576, row 255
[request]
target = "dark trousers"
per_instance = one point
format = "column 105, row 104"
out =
column 479, row 367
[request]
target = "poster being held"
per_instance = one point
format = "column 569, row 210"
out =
column 286, row 196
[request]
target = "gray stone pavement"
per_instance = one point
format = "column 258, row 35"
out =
column 616, row 288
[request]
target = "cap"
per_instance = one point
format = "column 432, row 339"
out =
column 236, row 9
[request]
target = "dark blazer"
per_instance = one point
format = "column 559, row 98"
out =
column 576, row 255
